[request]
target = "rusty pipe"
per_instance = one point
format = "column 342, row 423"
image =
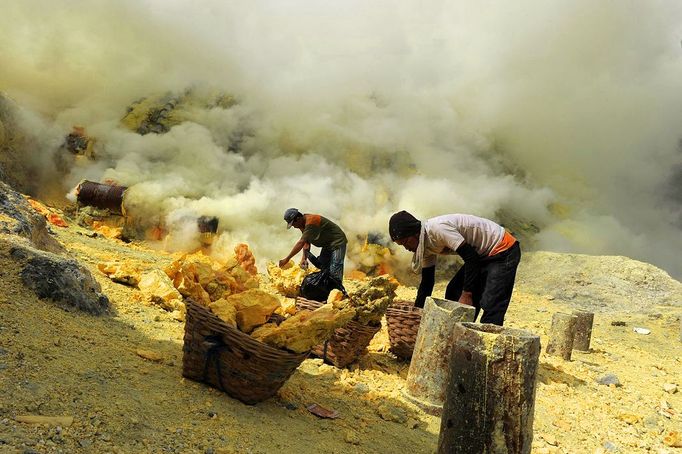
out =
column 102, row 196
column 207, row 224
column 490, row 396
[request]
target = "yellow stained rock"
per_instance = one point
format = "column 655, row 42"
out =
column 245, row 258
column 157, row 287
column 629, row 418
column 225, row 310
column 190, row 289
column 64, row 421
column 335, row 296
column 202, row 272
column 106, row 230
column 254, row 307
column 243, row 279
column 357, row 275
column 304, row 330
column 149, row 354
column 287, row 307
column 122, row 273
column 287, row 280
column 673, row 439
column 206, row 279
column 371, row 300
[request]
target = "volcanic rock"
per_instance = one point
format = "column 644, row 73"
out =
column 609, row 379
column 17, row 217
column 61, row 280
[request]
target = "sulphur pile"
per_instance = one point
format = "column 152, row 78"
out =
column 230, row 288
column 202, row 278
column 306, row 329
column 206, row 279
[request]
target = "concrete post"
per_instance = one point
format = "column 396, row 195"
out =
column 583, row 330
column 561, row 335
column 429, row 369
column 490, row 397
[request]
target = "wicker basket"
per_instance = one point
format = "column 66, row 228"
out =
column 403, row 321
column 225, row 358
column 347, row 343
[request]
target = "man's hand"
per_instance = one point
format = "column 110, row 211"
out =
column 466, row 298
column 304, row 264
column 283, row 262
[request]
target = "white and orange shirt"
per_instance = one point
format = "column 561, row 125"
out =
column 444, row 234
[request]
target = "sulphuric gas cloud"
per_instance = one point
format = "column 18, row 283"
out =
column 562, row 113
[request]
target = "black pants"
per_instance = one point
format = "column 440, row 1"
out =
column 493, row 288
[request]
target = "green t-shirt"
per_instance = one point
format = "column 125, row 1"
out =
column 321, row 232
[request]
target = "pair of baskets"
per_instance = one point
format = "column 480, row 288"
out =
column 346, row 344
column 221, row 356
column 403, row 320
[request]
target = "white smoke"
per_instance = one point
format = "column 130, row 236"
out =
column 565, row 114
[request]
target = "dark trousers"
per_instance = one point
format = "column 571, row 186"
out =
column 493, row 288
column 330, row 259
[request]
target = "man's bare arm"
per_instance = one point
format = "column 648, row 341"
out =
column 300, row 244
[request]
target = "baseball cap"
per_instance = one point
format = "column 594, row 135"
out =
column 290, row 216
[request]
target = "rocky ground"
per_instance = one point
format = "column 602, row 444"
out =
column 61, row 362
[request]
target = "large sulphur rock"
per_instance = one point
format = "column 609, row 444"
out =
column 157, row 287
column 225, row 310
column 304, row 330
column 254, row 307
column 121, row 272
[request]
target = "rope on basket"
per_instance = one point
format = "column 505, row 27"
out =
column 324, row 351
column 216, row 347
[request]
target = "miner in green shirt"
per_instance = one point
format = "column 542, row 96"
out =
column 321, row 232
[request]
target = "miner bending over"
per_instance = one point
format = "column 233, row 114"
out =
column 491, row 256
column 321, row 232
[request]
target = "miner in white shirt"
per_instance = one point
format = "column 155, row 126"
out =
column 491, row 255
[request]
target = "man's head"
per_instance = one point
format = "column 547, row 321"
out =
column 292, row 217
column 404, row 230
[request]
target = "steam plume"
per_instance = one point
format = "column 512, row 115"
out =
column 564, row 114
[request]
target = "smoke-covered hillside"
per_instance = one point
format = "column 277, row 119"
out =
column 561, row 117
